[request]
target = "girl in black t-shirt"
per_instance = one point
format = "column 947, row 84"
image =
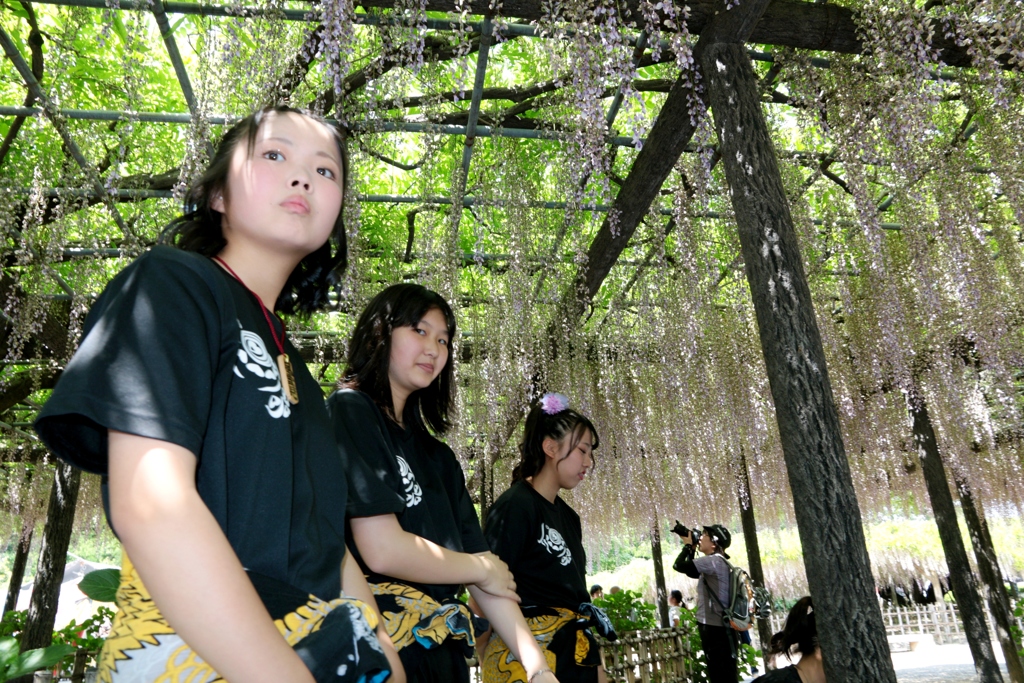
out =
column 415, row 530
column 541, row 539
column 798, row 635
column 211, row 434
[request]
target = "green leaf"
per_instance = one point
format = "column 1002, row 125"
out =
column 119, row 27
column 246, row 39
column 101, row 585
column 17, row 9
column 8, row 651
column 34, row 660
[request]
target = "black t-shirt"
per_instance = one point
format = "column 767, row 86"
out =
column 406, row 472
column 176, row 349
column 542, row 543
column 788, row 674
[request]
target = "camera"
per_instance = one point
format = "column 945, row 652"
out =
column 683, row 532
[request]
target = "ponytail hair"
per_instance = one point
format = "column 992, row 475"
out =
column 799, row 633
column 549, row 418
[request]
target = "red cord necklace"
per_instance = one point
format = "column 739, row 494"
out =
column 284, row 364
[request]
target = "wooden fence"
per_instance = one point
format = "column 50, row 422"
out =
column 656, row 656
column 941, row 620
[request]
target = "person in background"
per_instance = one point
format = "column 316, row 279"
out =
column 712, row 573
column 799, row 635
column 675, row 608
column 596, row 592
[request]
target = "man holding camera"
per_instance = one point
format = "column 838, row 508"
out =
column 712, row 574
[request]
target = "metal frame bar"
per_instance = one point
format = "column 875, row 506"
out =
column 385, row 127
column 167, row 33
column 474, row 104
column 52, row 114
column 429, row 200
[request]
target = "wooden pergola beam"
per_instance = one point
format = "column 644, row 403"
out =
column 786, row 23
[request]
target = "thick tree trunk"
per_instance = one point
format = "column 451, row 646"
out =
column 991, row 578
column 60, row 517
column 965, row 587
column 850, row 627
column 764, row 629
column 659, row 573
column 18, row 570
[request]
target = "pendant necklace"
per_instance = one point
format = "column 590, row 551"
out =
column 284, row 363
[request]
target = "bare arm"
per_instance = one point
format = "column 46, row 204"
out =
column 189, row 567
column 353, row 584
column 390, row 550
column 507, row 620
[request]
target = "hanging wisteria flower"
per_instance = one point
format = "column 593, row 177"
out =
column 552, row 403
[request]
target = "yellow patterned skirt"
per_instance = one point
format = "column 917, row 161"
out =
column 565, row 639
column 336, row 639
column 412, row 617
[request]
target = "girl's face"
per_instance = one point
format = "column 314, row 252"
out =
column 570, row 466
column 418, row 353
column 286, row 196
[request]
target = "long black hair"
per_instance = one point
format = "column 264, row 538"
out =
column 198, row 229
column 369, row 354
column 801, row 631
column 539, row 426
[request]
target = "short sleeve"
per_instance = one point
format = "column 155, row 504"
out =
column 374, row 484
column 145, row 365
column 469, row 523
column 507, row 527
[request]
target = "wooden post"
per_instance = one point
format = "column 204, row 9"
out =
column 991, row 578
column 60, row 517
column 965, row 587
column 78, row 670
column 18, row 569
column 764, row 630
column 850, row 627
column 659, row 574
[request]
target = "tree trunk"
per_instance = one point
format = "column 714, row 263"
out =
column 764, row 629
column 659, row 573
column 486, row 486
column 60, row 517
column 991, row 578
column 850, row 628
column 965, row 587
column 18, row 570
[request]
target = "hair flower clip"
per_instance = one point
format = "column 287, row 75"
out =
column 552, row 403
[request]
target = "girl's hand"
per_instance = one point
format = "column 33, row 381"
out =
column 546, row 676
column 498, row 580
